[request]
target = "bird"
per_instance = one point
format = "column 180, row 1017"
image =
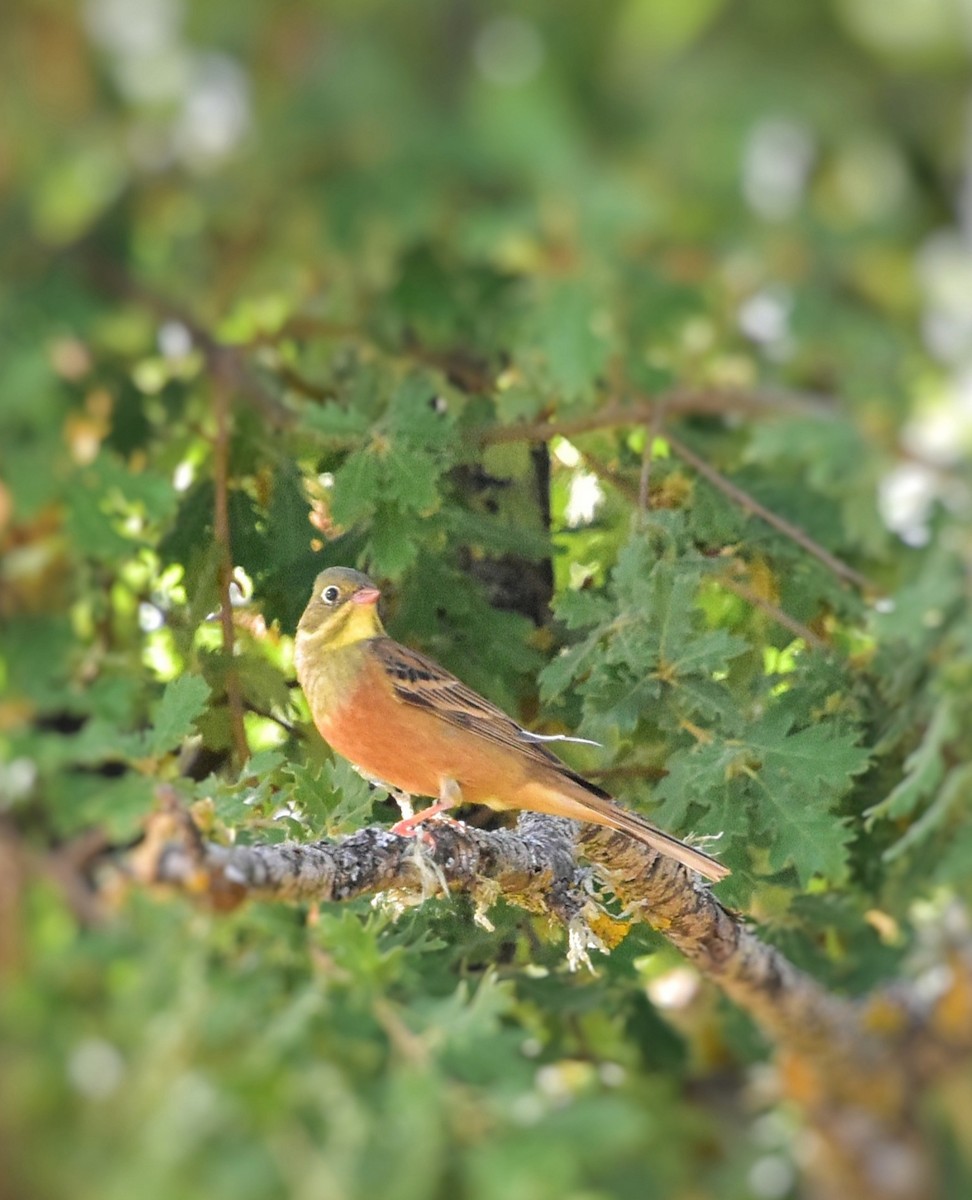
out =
column 410, row 725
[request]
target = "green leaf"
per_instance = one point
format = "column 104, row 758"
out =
column 705, row 653
column 709, row 777
column 264, row 764
column 812, row 840
column 334, row 420
column 574, row 350
column 354, row 797
column 144, row 491
column 264, row 685
column 820, row 758
column 582, row 609
column 192, row 525
column 952, row 866
column 175, row 714
column 92, row 530
column 357, row 487
column 493, row 535
column 924, row 768
column 411, row 478
column 786, row 782
column 391, row 547
column 254, row 794
column 463, row 1018
column 333, row 799
column 955, row 789
column 801, row 775
column 423, row 413
column 287, row 517
column 37, row 652
column 569, row 666
column 248, row 533
column 118, row 805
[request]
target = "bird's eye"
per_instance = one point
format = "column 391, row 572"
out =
column 330, row 594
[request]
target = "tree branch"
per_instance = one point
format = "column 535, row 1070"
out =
column 223, row 359
column 751, row 505
column 533, row 867
column 223, row 540
column 460, row 367
column 856, row 1068
column 725, row 578
column 677, row 402
column 773, row 611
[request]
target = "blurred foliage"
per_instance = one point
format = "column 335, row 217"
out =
column 389, row 232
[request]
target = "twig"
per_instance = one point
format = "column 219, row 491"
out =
column 683, row 402
column 13, row 880
column 773, row 611
column 644, row 484
column 750, row 504
column 782, row 618
column 292, row 378
column 295, row 731
column 607, row 473
column 223, row 538
column 718, row 402
column 305, row 328
column 461, row 368
column 222, row 358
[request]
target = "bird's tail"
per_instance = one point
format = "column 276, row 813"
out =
column 585, row 802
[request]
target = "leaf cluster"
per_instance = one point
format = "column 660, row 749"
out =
column 462, row 298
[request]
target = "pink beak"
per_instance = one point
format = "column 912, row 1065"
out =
column 367, row 596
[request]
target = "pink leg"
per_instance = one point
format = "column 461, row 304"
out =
column 449, row 796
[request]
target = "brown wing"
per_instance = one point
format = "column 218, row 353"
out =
column 421, row 681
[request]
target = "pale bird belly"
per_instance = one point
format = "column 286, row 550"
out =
column 413, row 751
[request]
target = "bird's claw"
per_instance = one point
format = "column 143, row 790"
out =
column 423, row 834
column 409, row 826
column 448, row 797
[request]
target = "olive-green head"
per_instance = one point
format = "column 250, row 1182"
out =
column 343, row 608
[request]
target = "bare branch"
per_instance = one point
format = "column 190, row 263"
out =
column 223, row 359
column 677, row 402
column 223, row 539
column 725, row 579
column 322, row 393
column 773, row 611
column 750, row 504
column 682, row 402
column 858, row 1088
column 856, row 1068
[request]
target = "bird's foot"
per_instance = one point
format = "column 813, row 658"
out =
column 450, row 795
column 408, row 826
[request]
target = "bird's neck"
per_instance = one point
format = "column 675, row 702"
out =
column 328, row 659
column 354, row 623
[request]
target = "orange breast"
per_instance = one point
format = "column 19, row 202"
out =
column 412, row 749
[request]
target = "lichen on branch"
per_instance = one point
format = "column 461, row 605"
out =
column 857, row 1068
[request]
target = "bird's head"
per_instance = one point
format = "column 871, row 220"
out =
column 343, row 608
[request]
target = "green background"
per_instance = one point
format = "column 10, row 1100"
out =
column 415, row 225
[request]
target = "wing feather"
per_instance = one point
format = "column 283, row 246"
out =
column 422, row 682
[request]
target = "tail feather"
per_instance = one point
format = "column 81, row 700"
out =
column 601, row 809
column 643, row 831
